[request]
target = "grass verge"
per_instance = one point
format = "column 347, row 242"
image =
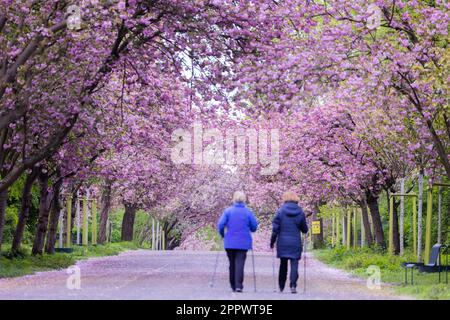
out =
column 29, row 264
column 358, row 260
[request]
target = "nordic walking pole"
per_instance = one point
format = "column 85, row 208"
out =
column 273, row 270
column 254, row 274
column 304, row 263
column 211, row 282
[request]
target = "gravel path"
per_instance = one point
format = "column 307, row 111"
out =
column 144, row 274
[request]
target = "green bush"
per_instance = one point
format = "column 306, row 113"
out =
column 209, row 235
column 116, row 221
column 11, row 218
column 358, row 260
column 25, row 263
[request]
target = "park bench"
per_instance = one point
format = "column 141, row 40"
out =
column 434, row 264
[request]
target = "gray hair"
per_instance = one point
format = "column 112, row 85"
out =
column 239, row 196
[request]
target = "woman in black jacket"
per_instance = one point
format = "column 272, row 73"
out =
column 286, row 227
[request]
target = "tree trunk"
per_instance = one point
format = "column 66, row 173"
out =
column 54, row 217
column 128, row 222
column 366, row 223
column 372, row 203
column 24, row 211
column 104, row 213
column 54, row 143
column 3, row 205
column 171, row 241
column 439, row 145
column 395, row 228
column 44, row 208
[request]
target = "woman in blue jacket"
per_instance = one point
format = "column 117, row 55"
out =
column 239, row 221
column 286, row 227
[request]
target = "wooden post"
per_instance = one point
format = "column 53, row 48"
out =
column 419, row 219
column 94, row 222
column 153, row 234
column 61, row 228
column 402, row 215
column 355, row 233
column 85, row 222
column 332, row 228
column 414, row 225
column 69, row 221
column 78, row 219
column 363, row 234
column 160, row 237
column 349, row 228
column 338, row 237
column 428, row 224
column 439, row 235
column 157, row 235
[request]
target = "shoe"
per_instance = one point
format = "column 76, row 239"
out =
column 293, row 290
column 281, row 290
column 238, row 290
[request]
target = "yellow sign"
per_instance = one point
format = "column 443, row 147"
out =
column 316, row 227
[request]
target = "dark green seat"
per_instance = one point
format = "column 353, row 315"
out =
column 435, row 255
column 434, row 264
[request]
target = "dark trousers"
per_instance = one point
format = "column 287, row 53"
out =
column 283, row 273
column 237, row 262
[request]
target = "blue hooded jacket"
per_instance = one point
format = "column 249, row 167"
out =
column 239, row 222
column 286, row 227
